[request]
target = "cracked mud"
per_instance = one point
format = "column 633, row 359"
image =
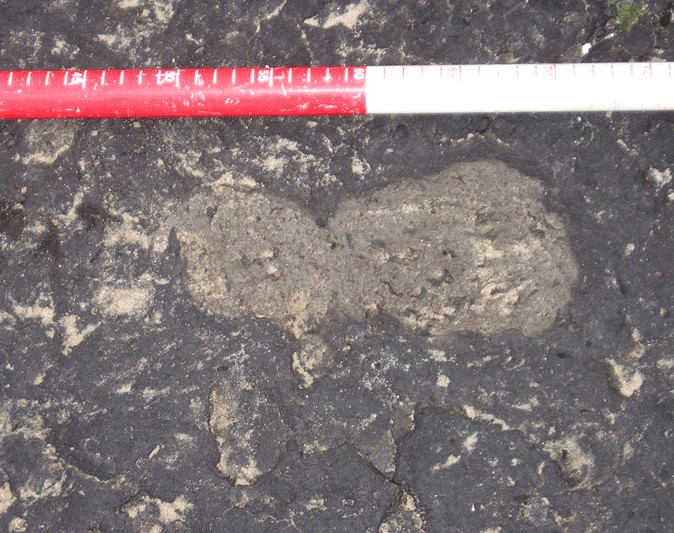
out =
column 328, row 366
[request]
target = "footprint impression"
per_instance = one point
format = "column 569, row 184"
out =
column 471, row 248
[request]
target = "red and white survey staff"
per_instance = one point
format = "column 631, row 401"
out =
column 288, row 91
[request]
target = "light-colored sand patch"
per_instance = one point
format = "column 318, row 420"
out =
column 406, row 516
column 576, row 463
column 47, row 140
column 18, row 525
column 124, row 300
column 6, row 319
column 475, row 414
column 309, row 360
column 247, row 427
column 129, row 232
column 6, row 498
column 115, row 41
column 348, row 16
column 164, row 511
column 625, row 381
column 72, row 335
column 659, row 178
column 449, row 462
column 42, row 310
column 470, row 443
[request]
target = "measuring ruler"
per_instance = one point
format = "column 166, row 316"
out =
column 285, row 91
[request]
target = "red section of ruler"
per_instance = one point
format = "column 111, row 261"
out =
column 182, row 92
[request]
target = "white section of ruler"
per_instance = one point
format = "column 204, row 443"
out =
column 567, row 87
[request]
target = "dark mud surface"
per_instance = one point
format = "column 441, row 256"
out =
column 336, row 324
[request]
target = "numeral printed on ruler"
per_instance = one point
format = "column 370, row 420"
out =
column 266, row 76
column 270, row 76
column 168, row 77
column 75, row 78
